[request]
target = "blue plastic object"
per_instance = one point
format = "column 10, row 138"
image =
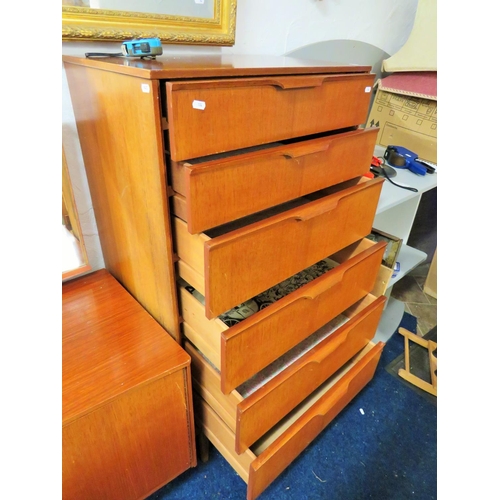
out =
column 397, row 268
column 142, row 47
column 399, row 157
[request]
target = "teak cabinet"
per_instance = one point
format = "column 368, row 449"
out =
column 127, row 417
column 231, row 201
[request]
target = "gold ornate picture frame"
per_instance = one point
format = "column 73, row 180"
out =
column 87, row 24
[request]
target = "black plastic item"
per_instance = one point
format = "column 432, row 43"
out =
column 394, row 158
column 103, row 54
column 384, row 171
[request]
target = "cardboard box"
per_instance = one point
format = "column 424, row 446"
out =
column 405, row 110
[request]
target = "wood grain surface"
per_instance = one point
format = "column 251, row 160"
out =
column 127, row 418
column 118, row 120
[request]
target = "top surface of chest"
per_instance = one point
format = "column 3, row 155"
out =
column 110, row 344
column 209, row 66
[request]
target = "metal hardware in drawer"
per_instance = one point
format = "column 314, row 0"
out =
column 212, row 116
column 242, row 350
column 212, row 192
column 261, row 464
column 256, row 406
column 228, row 268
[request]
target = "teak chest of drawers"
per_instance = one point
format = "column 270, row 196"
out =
column 231, row 202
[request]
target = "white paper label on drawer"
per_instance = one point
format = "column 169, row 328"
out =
column 367, row 89
column 145, row 88
column 199, row 104
column 199, row 1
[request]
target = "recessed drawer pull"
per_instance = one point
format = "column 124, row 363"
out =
column 304, row 234
column 297, row 83
column 323, row 286
column 274, row 458
column 240, row 183
column 335, row 345
column 308, row 149
column 317, row 210
column 294, row 106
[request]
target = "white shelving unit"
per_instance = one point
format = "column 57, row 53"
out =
column 395, row 214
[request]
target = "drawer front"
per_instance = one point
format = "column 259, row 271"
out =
column 251, row 182
column 275, row 458
column 251, row 345
column 251, row 417
column 212, row 116
column 259, row 468
column 243, row 263
column 269, row 404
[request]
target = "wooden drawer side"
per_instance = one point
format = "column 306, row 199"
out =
column 221, row 436
column 206, row 382
column 275, row 458
column 203, row 333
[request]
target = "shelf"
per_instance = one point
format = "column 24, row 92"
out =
column 392, row 196
column 409, row 258
column 395, row 214
column 391, row 318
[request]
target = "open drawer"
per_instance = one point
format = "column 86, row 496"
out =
column 261, row 464
column 211, row 191
column 257, row 405
column 206, row 117
column 240, row 351
column 232, row 263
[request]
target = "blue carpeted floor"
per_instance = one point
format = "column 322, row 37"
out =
column 387, row 453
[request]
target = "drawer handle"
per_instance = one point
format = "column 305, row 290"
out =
column 315, row 211
column 308, row 149
column 324, row 206
column 298, row 83
column 324, row 286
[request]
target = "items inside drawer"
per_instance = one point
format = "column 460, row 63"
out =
column 276, row 367
column 264, row 376
column 273, row 294
column 295, row 237
column 277, row 430
column 262, row 444
column 249, row 407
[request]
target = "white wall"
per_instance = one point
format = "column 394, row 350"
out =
column 271, row 27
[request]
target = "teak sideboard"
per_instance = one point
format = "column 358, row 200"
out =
column 127, row 409
column 231, row 201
